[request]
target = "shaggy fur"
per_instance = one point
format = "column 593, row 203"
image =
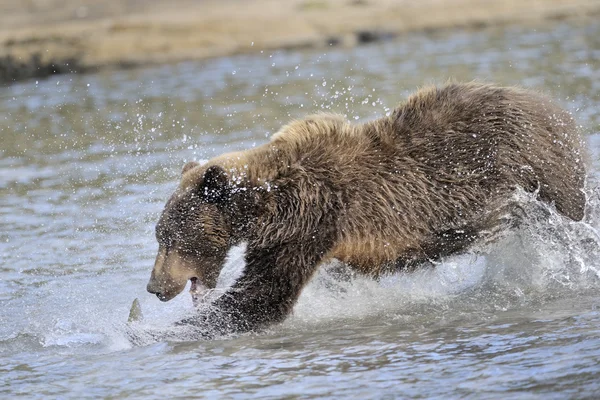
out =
column 425, row 182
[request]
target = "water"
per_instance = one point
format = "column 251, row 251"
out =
column 87, row 162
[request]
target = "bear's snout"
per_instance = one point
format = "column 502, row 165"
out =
column 161, row 292
column 169, row 276
column 154, row 289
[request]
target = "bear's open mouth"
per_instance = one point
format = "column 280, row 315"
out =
column 198, row 291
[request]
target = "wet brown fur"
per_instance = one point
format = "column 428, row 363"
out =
column 419, row 184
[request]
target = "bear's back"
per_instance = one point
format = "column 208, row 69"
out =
column 445, row 156
column 495, row 136
column 436, row 165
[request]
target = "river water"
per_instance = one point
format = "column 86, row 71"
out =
column 87, row 162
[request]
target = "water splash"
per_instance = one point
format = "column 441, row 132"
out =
column 547, row 257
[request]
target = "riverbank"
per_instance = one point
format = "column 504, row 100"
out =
column 42, row 37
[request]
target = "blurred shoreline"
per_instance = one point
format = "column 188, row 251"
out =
column 39, row 38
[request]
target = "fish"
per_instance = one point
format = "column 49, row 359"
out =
column 135, row 313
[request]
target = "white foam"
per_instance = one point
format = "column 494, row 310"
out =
column 547, row 256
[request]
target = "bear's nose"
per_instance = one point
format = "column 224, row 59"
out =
column 151, row 287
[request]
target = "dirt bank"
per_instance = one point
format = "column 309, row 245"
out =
column 42, row 37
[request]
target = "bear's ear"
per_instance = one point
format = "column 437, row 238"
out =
column 189, row 165
column 215, row 186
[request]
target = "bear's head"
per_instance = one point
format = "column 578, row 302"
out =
column 194, row 232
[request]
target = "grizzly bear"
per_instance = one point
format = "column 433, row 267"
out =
column 424, row 182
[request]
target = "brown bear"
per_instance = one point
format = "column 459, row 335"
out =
column 419, row 184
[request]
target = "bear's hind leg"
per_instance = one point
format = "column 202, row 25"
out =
column 503, row 217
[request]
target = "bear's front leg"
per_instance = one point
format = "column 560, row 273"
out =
column 296, row 229
column 267, row 290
